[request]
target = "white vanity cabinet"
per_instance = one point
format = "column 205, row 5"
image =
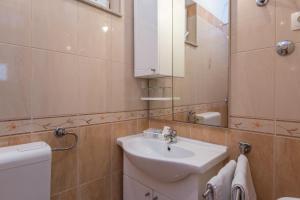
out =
column 158, row 196
column 154, row 38
column 134, row 190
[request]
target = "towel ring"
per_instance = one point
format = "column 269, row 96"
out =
column 61, row 132
column 245, row 148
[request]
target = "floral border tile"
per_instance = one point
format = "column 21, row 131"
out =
column 160, row 112
column 15, row 127
column 256, row 125
column 45, row 124
column 288, row 128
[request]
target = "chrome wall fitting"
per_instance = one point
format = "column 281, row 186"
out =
column 245, row 148
column 261, row 3
column 61, row 132
column 285, row 47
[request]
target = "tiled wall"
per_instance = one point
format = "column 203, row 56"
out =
column 58, row 68
column 64, row 63
column 265, row 96
column 63, row 58
column 265, row 87
column 274, row 160
column 93, row 170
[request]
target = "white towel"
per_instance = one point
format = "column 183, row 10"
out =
column 221, row 183
column 243, row 181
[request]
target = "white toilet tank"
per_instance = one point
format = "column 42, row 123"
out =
column 25, row 172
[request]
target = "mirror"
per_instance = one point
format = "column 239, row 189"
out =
column 110, row 6
column 203, row 90
column 199, row 95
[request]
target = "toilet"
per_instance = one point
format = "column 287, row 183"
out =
column 25, row 172
column 288, row 198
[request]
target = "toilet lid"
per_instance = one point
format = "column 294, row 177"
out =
column 288, row 198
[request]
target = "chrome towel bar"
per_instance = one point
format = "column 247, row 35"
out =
column 245, row 148
column 61, row 132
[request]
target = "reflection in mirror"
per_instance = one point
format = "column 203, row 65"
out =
column 203, row 90
column 191, row 23
column 198, row 90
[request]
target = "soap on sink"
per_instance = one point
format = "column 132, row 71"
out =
column 152, row 132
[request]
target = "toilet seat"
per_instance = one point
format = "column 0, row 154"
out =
column 288, row 198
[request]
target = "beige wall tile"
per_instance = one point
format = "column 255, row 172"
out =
column 124, row 90
column 256, row 125
column 288, row 128
column 97, row 190
column 15, row 21
column 197, row 133
column 209, row 134
column 54, row 25
column 15, row 76
column 287, row 165
column 182, row 130
column 122, row 40
column 142, row 124
column 120, row 129
column 55, row 84
column 64, row 174
column 252, row 84
column 157, row 123
column 4, row 141
column 93, row 85
column 252, row 26
column 117, row 85
column 64, row 170
column 94, row 152
column 117, row 186
column 260, row 159
column 287, row 86
column 128, row 8
column 68, row 195
column 284, row 9
column 94, row 32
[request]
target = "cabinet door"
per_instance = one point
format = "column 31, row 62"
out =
column 158, row 196
column 135, row 191
column 145, row 38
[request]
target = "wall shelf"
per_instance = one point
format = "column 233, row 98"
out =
column 160, row 98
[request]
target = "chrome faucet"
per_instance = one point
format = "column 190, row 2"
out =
column 171, row 136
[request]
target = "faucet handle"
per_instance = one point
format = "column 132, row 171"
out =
column 173, row 133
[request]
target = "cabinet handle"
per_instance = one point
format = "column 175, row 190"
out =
column 147, row 194
column 155, row 198
column 153, row 70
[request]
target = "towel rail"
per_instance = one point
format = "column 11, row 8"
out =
column 245, row 148
column 207, row 193
column 238, row 194
column 61, row 132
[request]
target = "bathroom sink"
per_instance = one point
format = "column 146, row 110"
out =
column 171, row 162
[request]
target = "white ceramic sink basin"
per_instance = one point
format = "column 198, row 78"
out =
column 170, row 163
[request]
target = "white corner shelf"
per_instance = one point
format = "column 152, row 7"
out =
column 160, row 98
